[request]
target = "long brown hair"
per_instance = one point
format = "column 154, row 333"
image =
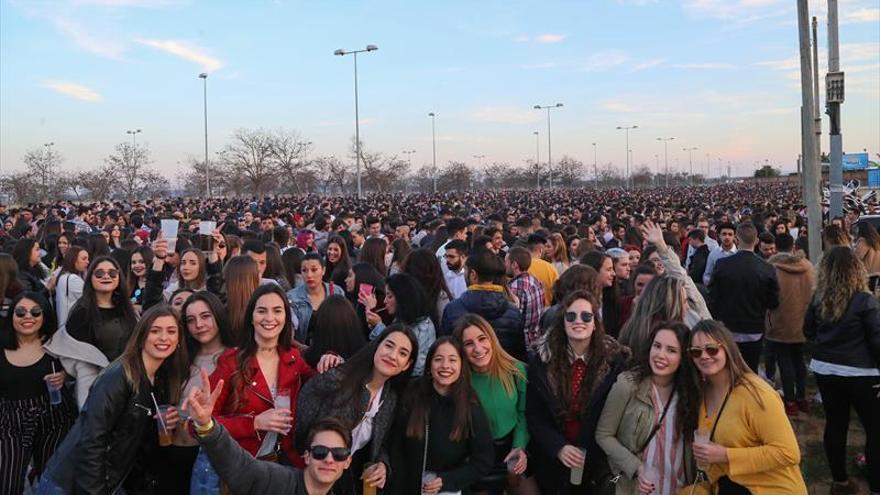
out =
column 841, row 276
column 419, row 397
column 174, row 369
column 199, row 282
column 503, row 366
column 559, row 364
column 242, row 277
column 735, row 365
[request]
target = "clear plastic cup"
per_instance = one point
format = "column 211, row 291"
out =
column 651, row 474
column 282, row 399
column 701, row 438
column 166, row 436
column 54, row 393
column 577, row 473
column 427, row 477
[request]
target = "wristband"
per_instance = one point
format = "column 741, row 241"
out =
column 204, row 430
column 159, row 257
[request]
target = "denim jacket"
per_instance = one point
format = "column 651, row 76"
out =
column 302, row 307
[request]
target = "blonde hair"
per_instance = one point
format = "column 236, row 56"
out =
column 740, row 373
column 503, row 366
column 560, row 250
column 841, row 276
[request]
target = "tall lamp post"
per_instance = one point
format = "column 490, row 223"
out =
column 691, row 160
column 434, row 147
column 204, row 77
column 627, row 129
column 666, row 155
column 133, row 133
column 595, row 168
column 409, row 154
column 357, row 124
column 549, row 156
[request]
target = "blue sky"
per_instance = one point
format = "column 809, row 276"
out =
column 720, row 75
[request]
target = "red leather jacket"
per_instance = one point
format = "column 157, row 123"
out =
column 255, row 398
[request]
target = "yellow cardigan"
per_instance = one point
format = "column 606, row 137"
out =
column 762, row 450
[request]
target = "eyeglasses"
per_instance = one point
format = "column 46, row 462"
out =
column 320, row 452
column 571, row 316
column 112, row 273
column 710, row 349
column 35, row 311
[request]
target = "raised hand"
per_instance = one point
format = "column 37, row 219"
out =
column 200, row 403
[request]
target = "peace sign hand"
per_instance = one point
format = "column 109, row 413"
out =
column 200, row 403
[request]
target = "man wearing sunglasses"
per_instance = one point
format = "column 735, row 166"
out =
column 327, row 456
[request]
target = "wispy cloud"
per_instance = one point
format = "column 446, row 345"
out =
column 861, row 15
column 185, row 51
column 605, row 60
column 74, row 90
column 506, row 115
column 648, row 64
column 128, row 3
column 708, row 66
column 736, row 11
column 550, row 38
column 544, row 39
column 88, row 39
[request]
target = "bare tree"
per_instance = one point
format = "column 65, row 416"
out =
column 251, row 154
column 100, row 183
column 21, row 186
column 332, row 174
column 642, row 177
column 290, row 152
column 131, row 165
column 43, row 166
column 455, row 175
column 380, row 172
column 570, row 171
column 192, row 177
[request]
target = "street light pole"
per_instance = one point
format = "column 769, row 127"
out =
column 434, row 147
column 133, row 133
column 691, row 160
column 595, row 168
column 204, row 77
column 538, row 157
column 626, row 129
column 549, row 155
column 409, row 154
column 357, row 124
column 666, row 155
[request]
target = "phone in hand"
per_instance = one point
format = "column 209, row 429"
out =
column 366, row 290
column 206, row 243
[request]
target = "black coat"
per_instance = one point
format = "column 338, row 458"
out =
column 744, row 288
column 697, row 267
column 854, row 340
column 108, row 439
column 547, row 429
column 491, row 304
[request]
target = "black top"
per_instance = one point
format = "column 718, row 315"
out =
column 853, row 340
column 109, row 334
column 25, row 382
column 743, row 289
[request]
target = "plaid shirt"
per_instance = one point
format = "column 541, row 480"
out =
column 530, row 293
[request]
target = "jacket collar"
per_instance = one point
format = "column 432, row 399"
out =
column 486, row 287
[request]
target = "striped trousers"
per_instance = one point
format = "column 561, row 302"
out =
column 30, row 431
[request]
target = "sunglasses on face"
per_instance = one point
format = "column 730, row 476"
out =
column 99, row 273
column 571, row 316
column 320, row 452
column 35, row 311
column 710, row 349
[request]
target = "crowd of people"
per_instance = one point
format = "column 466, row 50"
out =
column 518, row 342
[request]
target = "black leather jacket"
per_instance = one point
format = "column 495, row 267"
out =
column 853, row 340
column 101, row 448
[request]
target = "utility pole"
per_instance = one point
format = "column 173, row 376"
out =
column 595, row 168
column 817, row 116
column 666, row 155
column 538, row 156
column 808, row 148
column 834, row 94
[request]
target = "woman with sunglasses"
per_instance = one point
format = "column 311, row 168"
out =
column 33, row 423
column 744, row 438
column 113, row 447
column 69, row 285
column 650, row 415
column 844, row 322
column 570, row 373
column 441, row 440
column 266, row 366
column 362, row 394
column 103, row 316
column 499, row 381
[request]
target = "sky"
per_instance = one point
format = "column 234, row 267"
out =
column 718, row 75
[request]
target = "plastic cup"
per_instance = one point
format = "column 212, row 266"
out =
column 701, row 438
column 650, row 473
column 368, row 489
column 427, row 477
column 282, row 399
column 165, row 435
column 577, row 473
column 207, row 227
column 54, row 393
column 169, row 228
column 512, row 477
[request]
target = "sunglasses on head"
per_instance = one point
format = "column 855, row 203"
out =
column 571, row 316
column 710, row 349
column 35, row 311
column 112, row 273
column 320, row 452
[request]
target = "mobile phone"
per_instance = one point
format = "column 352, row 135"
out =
column 366, row 289
column 206, row 243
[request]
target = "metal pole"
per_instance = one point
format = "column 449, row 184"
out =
column 207, row 169
column 538, row 157
column 808, row 149
column 549, row 155
column 666, row 159
column 357, row 129
column 627, row 158
column 595, row 167
column 817, row 116
column 835, row 172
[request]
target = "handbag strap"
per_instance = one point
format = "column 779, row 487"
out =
column 718, row 418
column 657, row 426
